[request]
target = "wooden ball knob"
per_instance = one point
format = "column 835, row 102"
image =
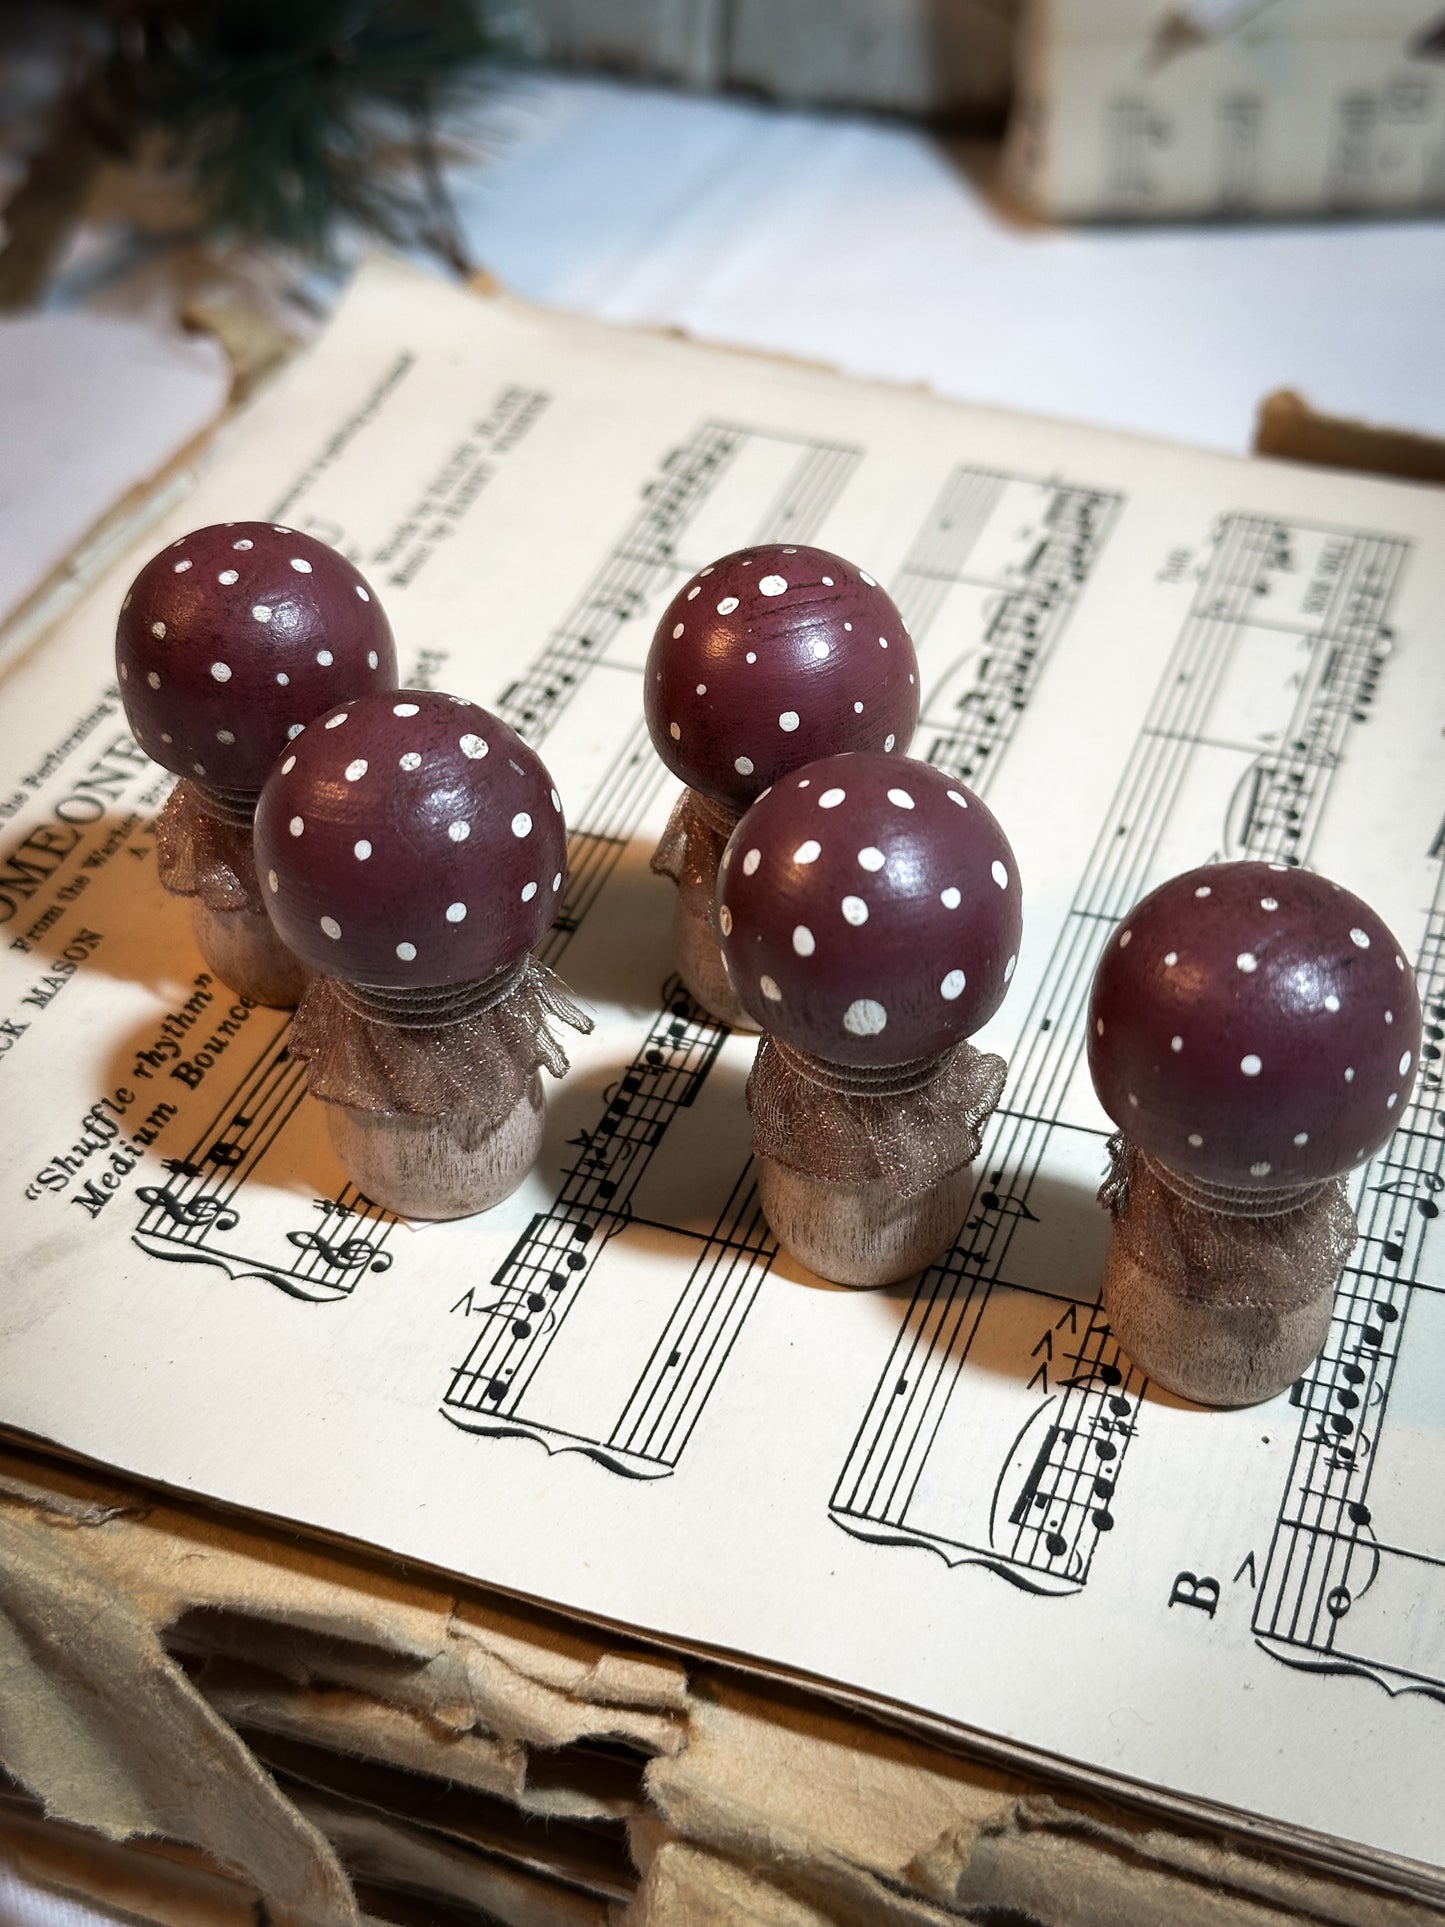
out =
column 870, row 910
column 1254, row 1025
column 410, row 839
column 773, row 656
column 234, row 637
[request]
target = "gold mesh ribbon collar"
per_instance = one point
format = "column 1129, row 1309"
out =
column 470, row 1047
column 691, row 847
column 912, row 1124
column 203, row 848
column 1272, row 1249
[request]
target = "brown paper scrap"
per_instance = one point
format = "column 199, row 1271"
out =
column 101, row 1726
column 873, row 1828
column 396, row 1855
column 764, row 1803
column 591, row 1856
column 686, row 1886
column 166, row 1886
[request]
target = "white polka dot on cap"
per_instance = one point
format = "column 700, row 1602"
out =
column 865, row 1017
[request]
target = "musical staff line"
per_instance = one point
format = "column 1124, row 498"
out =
column 1031, row 591
column 199, row 1215
column 655, row 1414
column 1330, row 1577
column 550, row 1263
column 890, row 1481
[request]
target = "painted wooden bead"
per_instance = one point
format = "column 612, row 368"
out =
column 1254, row 1025
column 234, row 637
column 870, row 910
column 771, row 657
column 410, row 839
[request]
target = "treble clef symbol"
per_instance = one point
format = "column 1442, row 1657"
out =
column 352, row 1255
column 190, row 1211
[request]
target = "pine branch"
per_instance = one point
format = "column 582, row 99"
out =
column 288, row 116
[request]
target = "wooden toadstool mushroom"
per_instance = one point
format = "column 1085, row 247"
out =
column 870, row 916
column 228, row 642
column 767, row 659
column 1253, row 1032
column 412, row 848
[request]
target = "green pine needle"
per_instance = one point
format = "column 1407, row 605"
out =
column 289, row 114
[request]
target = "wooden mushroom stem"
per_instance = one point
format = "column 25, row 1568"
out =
column 433, row 1095
column 864, row 1172
column 1220, row 1293
column 689, row 851
column 203, row 852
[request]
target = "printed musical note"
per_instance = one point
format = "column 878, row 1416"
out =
column 553, row 1260
column 1028, row 588
column 188, row 1222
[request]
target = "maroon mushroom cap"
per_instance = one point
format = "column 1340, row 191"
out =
column 870, row 910
column 1254, row 1025
column 234, row 637
column 410, row 839
column 770, row 658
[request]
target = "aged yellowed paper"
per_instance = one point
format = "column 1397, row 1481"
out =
column 611, row 1392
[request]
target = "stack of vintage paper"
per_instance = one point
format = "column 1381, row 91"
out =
column 1141, row 110
column 588, row 1560
column 338, row 1738
column 1118, row 109
column 908, row 56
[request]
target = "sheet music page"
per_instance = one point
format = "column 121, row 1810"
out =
column 1141, row 109
column 955, row 1496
